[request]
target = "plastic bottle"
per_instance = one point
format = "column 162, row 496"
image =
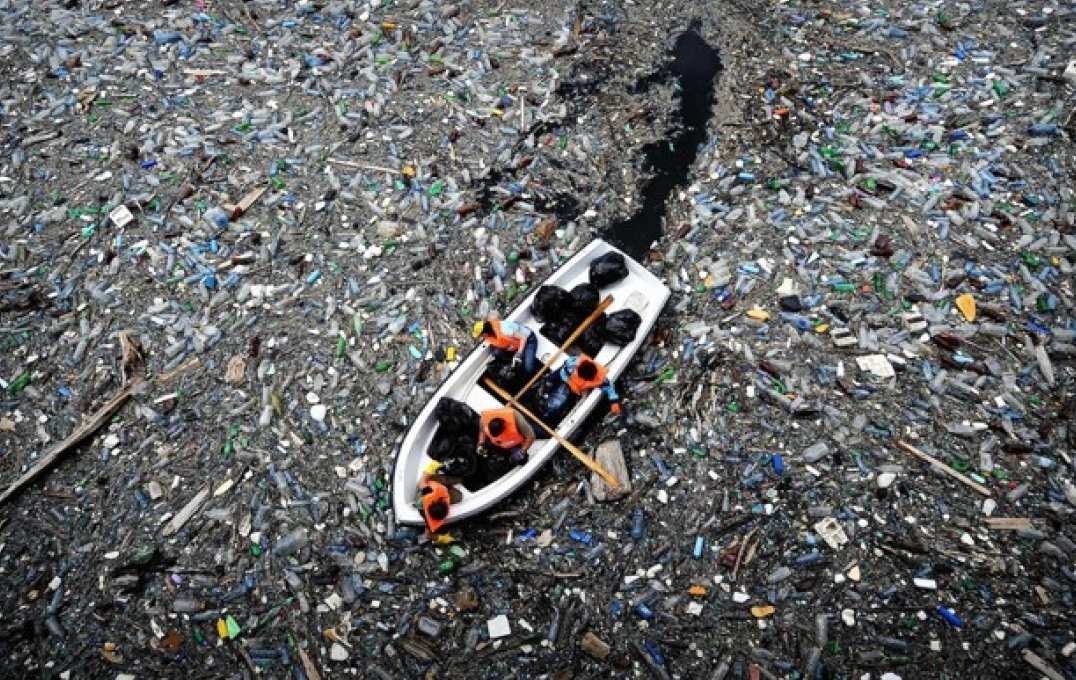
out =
column 722, row 669
column 291, row 542
column 638, row 524
column 187, row 605
column 810, row 666
column 950, row 616
column 816, row 452
column 821, row 629
column 778, row 575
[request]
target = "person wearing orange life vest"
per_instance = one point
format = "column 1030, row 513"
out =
column 577, row 376
column 505, row 430
column 513, row 338
column 436, row 500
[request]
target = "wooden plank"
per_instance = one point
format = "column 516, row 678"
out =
column 942, row 467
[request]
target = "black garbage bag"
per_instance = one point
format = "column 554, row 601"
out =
column 608, row 269
column 455, row 416
column 592, row 339
column 558, row 330
column 507, row 376
column 585, row 298
column 621, row 327
column 550, row 303
column 554, row 400
column 455, row 453
column 488, row 469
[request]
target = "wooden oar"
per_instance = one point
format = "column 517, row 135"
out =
column 546, row 366
column 572, row 448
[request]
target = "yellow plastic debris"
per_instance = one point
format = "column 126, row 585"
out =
column 408, row 171
column 227, row 628
column 111, row 653
column 966, row 304
column 432, row 468
column 444, row 539
column 758, row 314
column 476, row 329
column 450, row 354
column 821, row 328
column 762, row 612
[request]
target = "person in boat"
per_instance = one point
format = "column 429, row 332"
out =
column 510, row 337
column 506, row 431
column 436, row 501
column 578, row 375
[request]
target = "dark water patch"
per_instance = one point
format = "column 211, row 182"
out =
column 668, row 161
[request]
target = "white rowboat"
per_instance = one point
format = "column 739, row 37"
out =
column 640, row 291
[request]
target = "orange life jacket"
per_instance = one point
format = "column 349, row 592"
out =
column 432, row 494
column 510, row 436
column 499, row 340
column 578, row 385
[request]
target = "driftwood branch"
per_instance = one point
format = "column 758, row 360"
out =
column 83, row 431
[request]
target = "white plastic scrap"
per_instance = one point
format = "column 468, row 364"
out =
column 498, row 627
column 120, row 216
column 876, row 364
column 831, row 532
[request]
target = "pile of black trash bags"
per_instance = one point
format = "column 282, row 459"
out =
column 455, row 445
column 561, row 311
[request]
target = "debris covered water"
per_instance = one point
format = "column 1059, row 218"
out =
column 242, row 243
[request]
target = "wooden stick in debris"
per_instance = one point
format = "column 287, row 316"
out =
column 364, row 166
column 572, row 448
column 546, row 366
column 308, row 666
column 1008, row 523
column 938, row 465
column 189, row 510
column 166, row 377
column 81, row 432
column 1039, row 664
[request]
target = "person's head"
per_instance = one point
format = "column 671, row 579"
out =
column 438, row 510
column 496, row 426
column 487, row 330
column 587, row 370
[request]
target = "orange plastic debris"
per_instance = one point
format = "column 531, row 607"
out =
column 762, row 612
column 966, row 304
column 697, row 591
